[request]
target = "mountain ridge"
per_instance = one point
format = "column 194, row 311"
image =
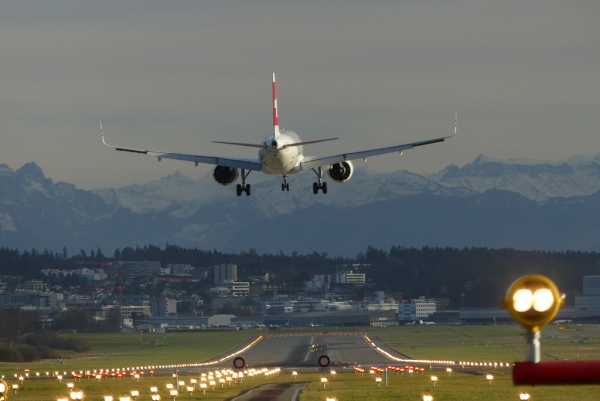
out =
column 519, row 203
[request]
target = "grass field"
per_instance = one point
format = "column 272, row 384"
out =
column 473, row 343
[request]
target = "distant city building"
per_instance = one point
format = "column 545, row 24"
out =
column 34, row 285
column 588, row 303
column 236, row 288
column 416, row 309
column 338, row 318
column 186, row 321
column 356, row 279
column 189, row 305
column 128, row 312
column 35, row 299
column 323, row 282
column 441, row 303
column 90, row 274
column 163, row 307
column 382, row 305
column 179, row 269
column 132, row 270
column 136, row 300
column 224, row 272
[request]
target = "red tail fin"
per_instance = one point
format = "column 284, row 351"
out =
column 275, row 115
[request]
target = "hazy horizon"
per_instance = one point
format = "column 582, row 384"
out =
column 175, row 76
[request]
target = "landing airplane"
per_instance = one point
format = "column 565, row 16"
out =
column 280, row 153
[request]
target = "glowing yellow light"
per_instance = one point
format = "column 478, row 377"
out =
column 543, row 300
column 522, row 300
column 532, row 301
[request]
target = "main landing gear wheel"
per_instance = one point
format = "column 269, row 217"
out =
column 243, row 188
column 317, row 187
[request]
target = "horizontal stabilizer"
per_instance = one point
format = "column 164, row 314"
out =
column 251, row 145
column 309, row 142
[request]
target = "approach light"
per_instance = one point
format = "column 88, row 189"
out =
column 533, row 301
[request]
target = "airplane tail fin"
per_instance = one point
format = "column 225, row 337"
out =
column 275, row 115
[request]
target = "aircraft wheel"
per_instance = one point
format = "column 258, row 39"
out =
column 238, row 189
column 315, row 188
column 324, row 187
column 248, row 190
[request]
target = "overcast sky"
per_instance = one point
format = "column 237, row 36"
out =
column 524, row 77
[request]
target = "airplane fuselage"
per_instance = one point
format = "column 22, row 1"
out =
column 279, row 158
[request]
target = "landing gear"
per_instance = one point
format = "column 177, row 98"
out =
column 243, row 187
column 286, row 185
column 319, row 185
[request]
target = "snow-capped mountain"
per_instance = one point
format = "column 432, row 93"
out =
column 517, row 203
column 534, row 179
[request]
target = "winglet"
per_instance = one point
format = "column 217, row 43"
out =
column 102, row 132
column 275, row 115
column 124, row 149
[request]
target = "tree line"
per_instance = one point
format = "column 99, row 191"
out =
column 475, row 277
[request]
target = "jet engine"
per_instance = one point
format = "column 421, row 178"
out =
column 225, row 175
column 340, row 172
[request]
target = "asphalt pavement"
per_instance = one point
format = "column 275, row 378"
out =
column 303, row 351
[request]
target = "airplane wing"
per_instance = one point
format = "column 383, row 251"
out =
column 248, row 164
column 320, row 161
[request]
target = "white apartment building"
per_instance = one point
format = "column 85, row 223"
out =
column 236, row 288
column 322, row 281
column 416, row 309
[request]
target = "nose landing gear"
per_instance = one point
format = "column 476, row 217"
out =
column 286, row 185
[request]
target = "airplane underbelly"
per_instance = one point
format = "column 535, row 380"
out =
column 279, row 162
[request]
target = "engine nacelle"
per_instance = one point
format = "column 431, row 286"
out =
column 340, row 172
column 225, row 175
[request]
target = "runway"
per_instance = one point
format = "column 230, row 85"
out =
column 303, row 351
